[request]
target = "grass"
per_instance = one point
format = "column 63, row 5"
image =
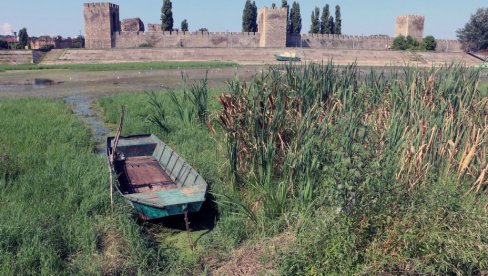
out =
column 121, row 66
column 347, row 163
column 55, row 205
column 375, row 174
column 203, row 150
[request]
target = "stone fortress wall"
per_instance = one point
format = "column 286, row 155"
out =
column 103, row 29
column 160, row 39
column 410, row 25
column 101, row 21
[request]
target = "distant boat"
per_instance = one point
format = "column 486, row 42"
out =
column 287, row 56
column 154, row 178
column 483, row 65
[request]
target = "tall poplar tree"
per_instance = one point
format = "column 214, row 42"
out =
column 249, row 17
column 338, row 20
column 315, row 26
column 184, row 26
column 284, row 4
column 23, row 38
column 167, row 16
column 330, row 25
column 324, row 21
column 254, row 17
column 295, row 19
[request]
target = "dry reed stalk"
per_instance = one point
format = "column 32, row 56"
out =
column 468, row 155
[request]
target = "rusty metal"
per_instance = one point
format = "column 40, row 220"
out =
column 144, row 174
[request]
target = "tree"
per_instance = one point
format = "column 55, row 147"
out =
column 474, row 35
column 399, row 43
column 273, row 6
column 167, row 16
column 254, row 17
column 23, row 38
column 325, row 20
column 184, row 26
column 330, row 25
column 284, row 4
column 315, row 27
column 429, row 43
column 249, row 17
column 295, row 19
column 78, row 42
column 3, row 44
column 203, row 30
column 412, row 43
column 338, row 20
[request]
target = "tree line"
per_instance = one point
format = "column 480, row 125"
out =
column 321, row 24
column 326, row 24
column 167, row 21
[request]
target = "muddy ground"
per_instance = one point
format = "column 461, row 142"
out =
column 65, row 83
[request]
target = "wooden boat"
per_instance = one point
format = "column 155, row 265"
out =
column 154, row 178
column 483, row 65
column 287, row 57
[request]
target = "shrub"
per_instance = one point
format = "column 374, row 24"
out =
column 46, row 48
column 3, row 44
column 409, row 43
column 429, row 43
column 145, row 45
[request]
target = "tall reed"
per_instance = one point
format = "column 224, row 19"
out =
column 425, row 123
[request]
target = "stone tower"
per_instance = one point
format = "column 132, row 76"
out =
column 272, row 27
column 101, row 22
column 410, row 25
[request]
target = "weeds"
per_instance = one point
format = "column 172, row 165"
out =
column 192, row 104
column 157, row 114
column 317, row 133
column 376, row 173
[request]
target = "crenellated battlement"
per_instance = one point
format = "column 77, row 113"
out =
column 97, row 5
column 344, row 37
column 412, row 16
column 104, row 29
column 271, row 9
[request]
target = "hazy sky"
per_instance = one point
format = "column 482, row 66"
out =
column 359, row 17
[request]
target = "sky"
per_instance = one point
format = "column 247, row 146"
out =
column 359, row 17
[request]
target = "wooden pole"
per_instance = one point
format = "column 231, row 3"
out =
column 187, row 224
column 113, row 155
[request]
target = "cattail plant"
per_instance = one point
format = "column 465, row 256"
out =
column 292, row 122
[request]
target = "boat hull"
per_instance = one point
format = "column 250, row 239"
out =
column 154, row 179
column 283, row 58
column 152, row 212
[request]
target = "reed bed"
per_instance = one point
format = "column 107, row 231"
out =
column 314, row 136
column 372, row 171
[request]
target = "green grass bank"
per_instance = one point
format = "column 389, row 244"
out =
column 121, row 66
column 55, row 217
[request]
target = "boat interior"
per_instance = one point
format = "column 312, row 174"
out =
column 145, row 164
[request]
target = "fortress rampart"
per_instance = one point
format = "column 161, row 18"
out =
column 103, row 29
column 160, row 39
